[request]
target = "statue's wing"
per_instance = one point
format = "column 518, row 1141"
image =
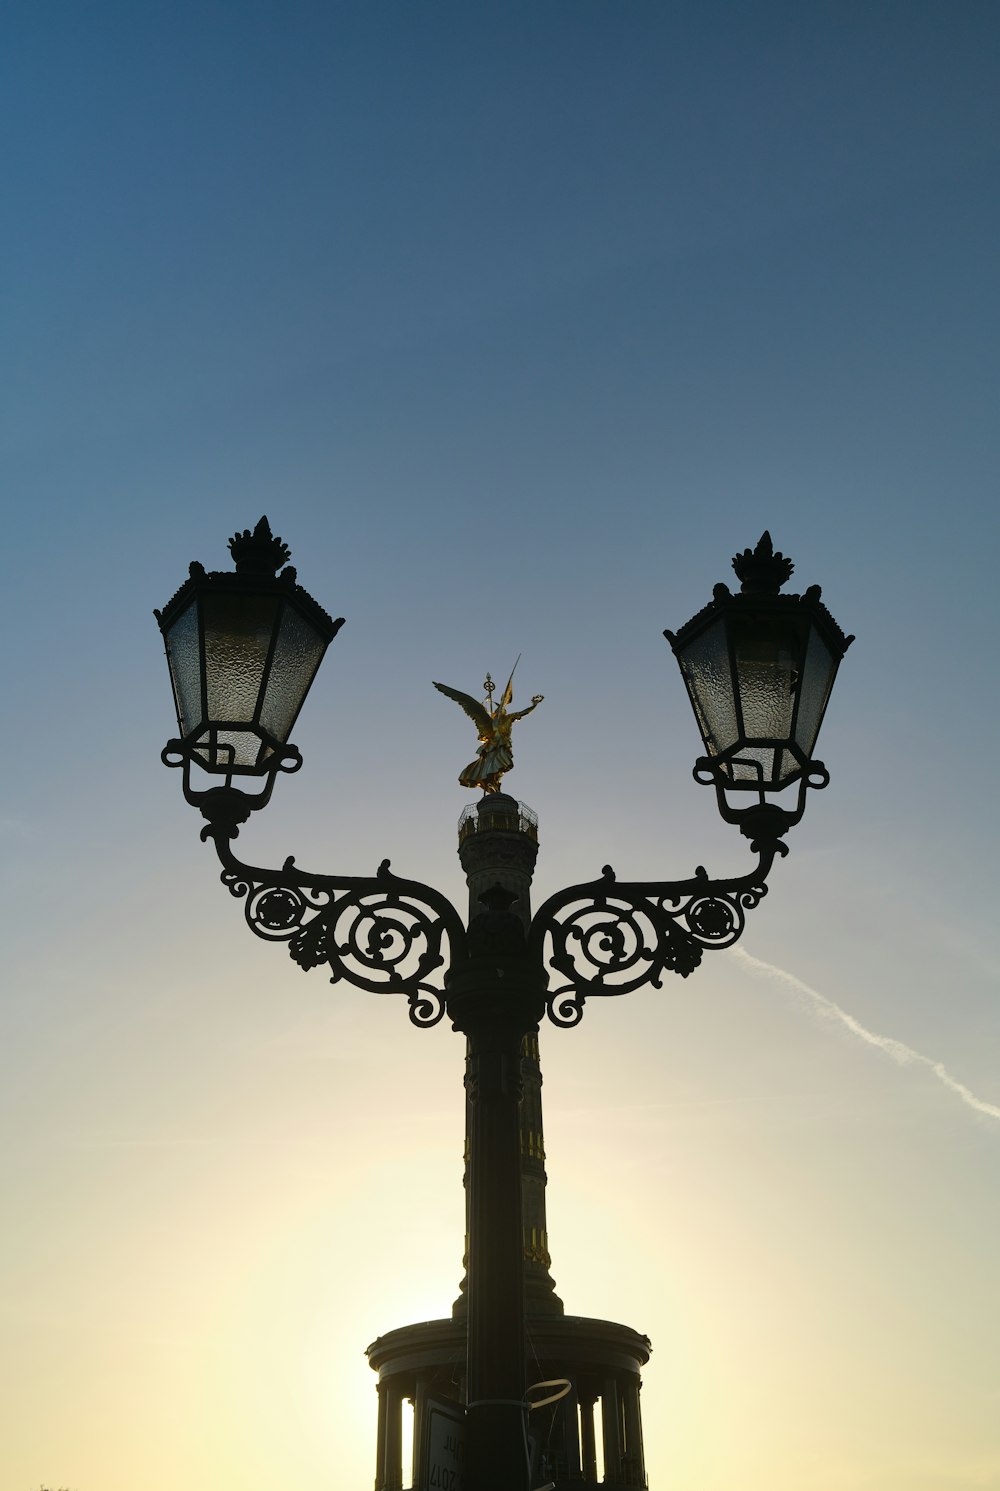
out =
column 472, row 707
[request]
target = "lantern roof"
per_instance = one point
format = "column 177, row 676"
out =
column 762, row 571
column 258, row 555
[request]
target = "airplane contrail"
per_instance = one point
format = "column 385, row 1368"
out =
column 900, row 1053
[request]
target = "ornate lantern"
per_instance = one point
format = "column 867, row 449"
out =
column 759, row 667
column 243, row 649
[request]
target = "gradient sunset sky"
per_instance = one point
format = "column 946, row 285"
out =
column 518, row 321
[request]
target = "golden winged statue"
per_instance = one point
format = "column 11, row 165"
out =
column 494, row 723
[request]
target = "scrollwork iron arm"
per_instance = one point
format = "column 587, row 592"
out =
column 609, row 937
column 378, row 932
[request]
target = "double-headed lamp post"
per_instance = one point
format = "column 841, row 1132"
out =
column 243, row 648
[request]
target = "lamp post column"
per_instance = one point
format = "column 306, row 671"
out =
column 496, row 998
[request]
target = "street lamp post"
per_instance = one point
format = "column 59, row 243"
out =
column 243, row 648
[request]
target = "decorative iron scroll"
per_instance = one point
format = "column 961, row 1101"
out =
column 387, row 934
column 380, row 932
column 607, row 938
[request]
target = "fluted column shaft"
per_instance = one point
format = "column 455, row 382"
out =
column 383, row 1399
column 635, row 1459
column 571, row 1434
column 588, row 1436
column 392, row 1474
column 498, row 847
column 495, row 997
column 611, row 1429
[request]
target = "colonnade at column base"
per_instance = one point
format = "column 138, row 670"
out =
column 591, row 1440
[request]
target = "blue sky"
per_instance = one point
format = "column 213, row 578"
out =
column 517, row 321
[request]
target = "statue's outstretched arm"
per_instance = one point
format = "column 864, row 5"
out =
column 536, row 699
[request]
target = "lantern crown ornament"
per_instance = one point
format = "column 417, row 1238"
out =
column 759, row 667
column 761, row 571
column 243, row 647
column 259, row 552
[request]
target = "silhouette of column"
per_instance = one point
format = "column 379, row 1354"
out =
column 393, row 1442
column 571, row 1434
column 383, row 1400
column 513, row 1307
column 498, row 845
column 495, row 996
column 589, row 1440
column 611, row 1429
column 635, row 1461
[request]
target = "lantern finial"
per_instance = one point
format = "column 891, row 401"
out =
column 762, row 571
column 259, row 552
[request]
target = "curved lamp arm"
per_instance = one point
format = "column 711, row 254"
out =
column 608, row 937
column 377, row 932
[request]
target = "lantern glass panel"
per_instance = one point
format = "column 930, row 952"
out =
column 705, row 663
column 817, row 681
column 184, row 656
column 238, row 631
column 238, row 749
column 768, row 665
column 297, row 655
column 789, row 765
column 753, row 765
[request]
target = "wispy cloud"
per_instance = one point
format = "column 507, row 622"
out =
column 900, row 1053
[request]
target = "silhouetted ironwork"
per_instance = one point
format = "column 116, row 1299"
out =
column 610, row 937
column 378, row 932
column 243, row 649
column 602, row 938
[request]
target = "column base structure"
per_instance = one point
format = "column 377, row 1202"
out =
column 590, row 1440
